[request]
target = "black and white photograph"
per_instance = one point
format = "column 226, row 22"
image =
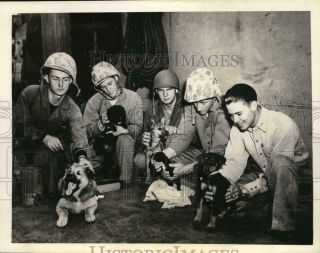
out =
column 162, row 127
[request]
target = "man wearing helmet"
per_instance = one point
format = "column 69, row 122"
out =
column 204, row 93
column 213, row 129
column 105, row 78
column 167, row 113
column 51, row 118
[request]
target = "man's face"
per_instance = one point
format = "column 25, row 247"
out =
column 166, row 95
column 203, row 106
column 59, row 82
column 242, row 114
column 110, row 87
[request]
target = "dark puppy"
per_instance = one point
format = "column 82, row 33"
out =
column 117, row 117
column 208, row 163
column 77, row 188
column 161, row 157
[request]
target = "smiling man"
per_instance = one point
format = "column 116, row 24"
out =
column 105, row 78
column 48, row 121
column 273, row 141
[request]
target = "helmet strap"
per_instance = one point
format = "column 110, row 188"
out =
column 153, row 103
column 106, row 96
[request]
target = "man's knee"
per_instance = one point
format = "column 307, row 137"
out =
column 281, row 164
column 140, row 161
column 125, row 141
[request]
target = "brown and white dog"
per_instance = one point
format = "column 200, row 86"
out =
column 77, row 188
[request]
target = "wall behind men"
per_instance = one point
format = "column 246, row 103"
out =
column 269, row 50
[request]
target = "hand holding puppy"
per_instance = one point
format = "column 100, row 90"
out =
column 209, row 193
column 178, row 171
column 84, row 162
column 119, row 130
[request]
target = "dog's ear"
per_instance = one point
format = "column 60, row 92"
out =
column 89, row 173
column 221, row 160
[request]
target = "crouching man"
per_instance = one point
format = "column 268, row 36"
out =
column 105, row 78
column 167, row 124
column 273, row 141
column 47, row 121
column 204, row 94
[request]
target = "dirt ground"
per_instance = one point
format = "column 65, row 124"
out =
column 122, row 217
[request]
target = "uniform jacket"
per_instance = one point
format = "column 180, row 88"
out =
column 274, row 134
column 33, row 119
column 213, row 131
column 98, row 105
column 181, row 118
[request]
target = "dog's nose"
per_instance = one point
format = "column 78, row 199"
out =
column 71, row 177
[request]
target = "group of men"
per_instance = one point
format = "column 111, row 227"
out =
column 52, row 121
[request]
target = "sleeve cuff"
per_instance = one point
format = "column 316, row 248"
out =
column 169, row 152
column 79, row 152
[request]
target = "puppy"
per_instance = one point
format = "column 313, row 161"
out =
column 77, row 188
column 208, row 163
column 161, row 157
column 117, row 117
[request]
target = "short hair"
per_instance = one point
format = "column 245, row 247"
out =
column 238, row 92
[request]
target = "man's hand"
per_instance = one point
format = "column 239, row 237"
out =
column 155, row 137
column 146, row 138
column 158, row 166
column 119, row 130
column 171, row 129
column 156, row 133
column 53, row 143
column 234, row 193
column 104, row 118
column 178, row 171
column 209, row 193
column 84, row 162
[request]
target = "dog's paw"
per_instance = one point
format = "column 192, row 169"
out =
column 90, row 218
column 211, row 226
column 62, row 221
column 210, row 229
column 197, row 225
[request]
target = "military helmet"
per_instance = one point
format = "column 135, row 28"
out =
column 202, row 84
column 63, row 62
column 166, row 79
column 102, row 71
